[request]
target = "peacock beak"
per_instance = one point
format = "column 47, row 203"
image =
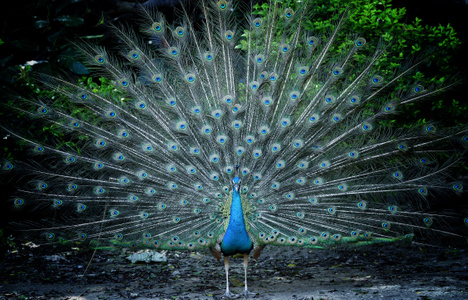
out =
column 236, row 187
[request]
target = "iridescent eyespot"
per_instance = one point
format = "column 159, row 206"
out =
column 312, row 41
column 190, row 78
column 147, row 147
column 171, row 102
column 228, row 99
column 124, row 83
column 254, row 85
column 74, row 124
column 257, row 153
column 301, row 180
column 318, row 181
column 179, row 32
column 294, row 95
column 273, row 77
column 196, row 110
column 402, row 147
column 280, row 164
column 80, row 207
column 134, row 55
column 250, row 139
column 229, row 35
column 208, row 56
column 302, row 164
column 221, row 139
column 194, row 150
column 7, row 166
column 324, row 164
column 172, row 146
column 222, row 4
column 236, row 108
column 217, row 113
column 336, row 118
column 118, row 156
column 366, row 127
column 422, row 191
column 457, row 187
column 275, row 185
column 285, row 122
column 257, row 22
column 264, row 130
column 214, row 158
column 150, row 191
column 158, row 78
column 42, row 110
column 70, row 159
column 430, row 128
column 259, row 58
column 428, row 221
column 376, row 80
column 99, row 59
column 360, row 42
column 41, row 185
column 267, row 101
column 314, row 118
column 173, row 51
column 157, row 27
column 181, row 125
column 314, row 200
column 389, row 108
column 124, row 180
column 337, row 71
column 288, row 13
column 214, row 176
column 100, row 143
column 298, row 143
column 354, row 99
column 329, row 99
column 418, row 88
column 275, row 147
column 206, row 129
column 18, row 202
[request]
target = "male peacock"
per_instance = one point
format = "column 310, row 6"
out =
column 207, row 144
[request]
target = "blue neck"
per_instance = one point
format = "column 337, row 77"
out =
column 236, row 239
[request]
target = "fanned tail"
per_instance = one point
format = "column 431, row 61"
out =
column 296, row 115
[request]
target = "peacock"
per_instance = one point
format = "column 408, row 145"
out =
column 232, row 134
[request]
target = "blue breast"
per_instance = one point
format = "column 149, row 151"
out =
column 236, row 240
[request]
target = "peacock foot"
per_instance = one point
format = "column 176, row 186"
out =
column 229, row 295
column 248, row 294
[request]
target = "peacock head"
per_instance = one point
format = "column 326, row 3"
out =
column 236, row 183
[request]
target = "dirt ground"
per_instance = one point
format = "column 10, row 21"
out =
column 374, row 272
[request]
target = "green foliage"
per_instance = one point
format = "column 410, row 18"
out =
column 43, row 133
column 403, row 40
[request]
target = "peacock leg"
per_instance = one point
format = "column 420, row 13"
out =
column 246, row 264
column 226, row 267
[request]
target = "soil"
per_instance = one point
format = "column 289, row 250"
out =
column 373, row 272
